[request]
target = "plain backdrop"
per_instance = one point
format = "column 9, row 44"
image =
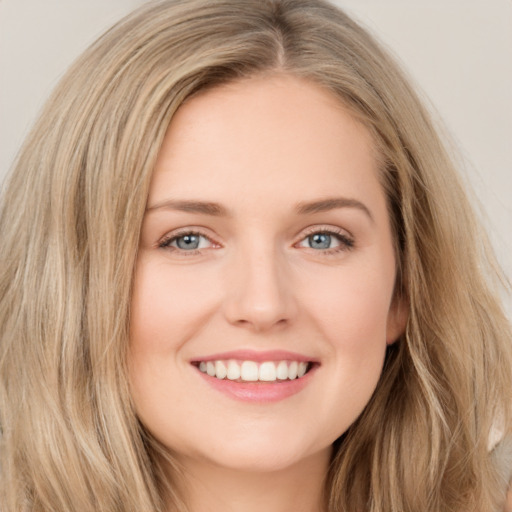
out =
column 457, row 52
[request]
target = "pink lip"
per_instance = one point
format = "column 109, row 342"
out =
column 258, row 392
column 259, row 357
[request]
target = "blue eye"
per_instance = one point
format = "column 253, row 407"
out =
column 186, row 242
column 320, row 241
column 327, row 241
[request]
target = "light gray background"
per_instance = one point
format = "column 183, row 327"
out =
column 458, row 51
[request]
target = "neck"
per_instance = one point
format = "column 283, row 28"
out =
column 217, row 489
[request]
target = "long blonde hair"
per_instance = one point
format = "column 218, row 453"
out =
column 69, row 223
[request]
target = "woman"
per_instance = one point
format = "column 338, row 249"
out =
column 239, row 271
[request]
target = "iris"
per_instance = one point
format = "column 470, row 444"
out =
column 188, row 242
column 319, row 241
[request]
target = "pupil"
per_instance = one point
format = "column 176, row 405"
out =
column 320, row 241
column 188, row 242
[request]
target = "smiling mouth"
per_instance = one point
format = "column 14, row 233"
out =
column 252, row 371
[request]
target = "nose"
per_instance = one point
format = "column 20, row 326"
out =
column 259, row 295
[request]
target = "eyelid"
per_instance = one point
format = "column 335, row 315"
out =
column 325, row 228
column 346, row 239
column 164, row 242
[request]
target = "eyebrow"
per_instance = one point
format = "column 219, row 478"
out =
column 332, row 203
column 303, row 208
column 201, row 207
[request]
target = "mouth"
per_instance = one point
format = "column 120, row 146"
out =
column 257, row 377
column 255, row 371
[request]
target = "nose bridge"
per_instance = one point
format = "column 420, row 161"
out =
column 259, row 295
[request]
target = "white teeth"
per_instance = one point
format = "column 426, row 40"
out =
column 233, row 370
column 251, row 371
column 292, row 370
column 267, row 372
column 220, row 370
column 210, row 369
column 282, row 370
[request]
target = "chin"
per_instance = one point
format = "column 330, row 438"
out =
column 263, row 454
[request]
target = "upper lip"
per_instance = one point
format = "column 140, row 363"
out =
column 257, row 356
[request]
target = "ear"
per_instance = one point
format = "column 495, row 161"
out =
column 397, row 319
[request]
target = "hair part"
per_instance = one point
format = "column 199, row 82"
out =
column 70, row 222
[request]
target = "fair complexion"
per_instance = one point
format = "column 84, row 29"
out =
column 266, row 240
column 508, row 504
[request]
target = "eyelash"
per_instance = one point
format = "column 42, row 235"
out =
column 166, row 242
column 346, row 242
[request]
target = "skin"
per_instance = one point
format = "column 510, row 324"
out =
column 508, row 504
column 258, row 148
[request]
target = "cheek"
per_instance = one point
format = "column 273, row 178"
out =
column 167, row 307
column 353, row 308
column 351, row 315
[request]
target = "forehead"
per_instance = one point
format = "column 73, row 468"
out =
column 261, row 135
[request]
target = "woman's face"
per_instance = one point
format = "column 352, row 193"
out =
column 266, row 251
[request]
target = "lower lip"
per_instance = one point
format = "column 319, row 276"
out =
column 259, row 392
